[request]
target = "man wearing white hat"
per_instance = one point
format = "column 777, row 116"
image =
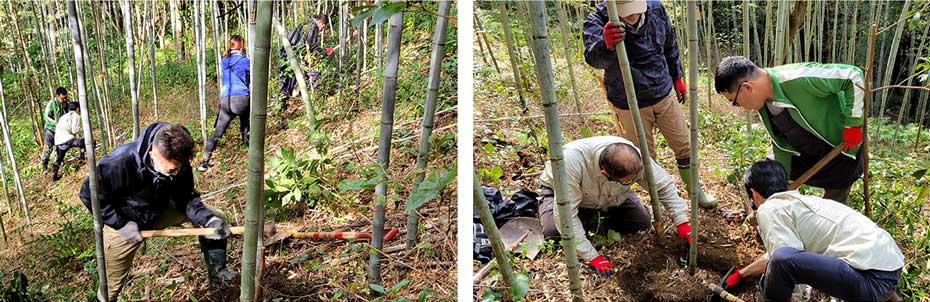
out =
column 649, row 38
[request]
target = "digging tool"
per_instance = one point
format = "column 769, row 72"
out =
column 716, row 295
column 719, row 292
column 816, row 168
column 269, row 232
column 523, row 229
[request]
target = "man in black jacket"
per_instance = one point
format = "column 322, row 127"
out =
column 647, row 33
column 148, row 184
column 298, row 37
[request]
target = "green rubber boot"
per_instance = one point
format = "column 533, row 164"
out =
column 707, row 202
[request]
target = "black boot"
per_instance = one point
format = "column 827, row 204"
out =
column 245, row 139
column 45, row 165
column 55, row 176
column 214, row 255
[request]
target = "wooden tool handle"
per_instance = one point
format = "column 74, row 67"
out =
column 188, row 232
column 723, row 294
column 816, row 168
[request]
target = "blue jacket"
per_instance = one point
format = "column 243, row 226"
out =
column 235, row 75
column 129, row 189
column 652, row 50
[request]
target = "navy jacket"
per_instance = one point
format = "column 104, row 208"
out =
column 652, row 50
column 298, row 37
column 129, row 189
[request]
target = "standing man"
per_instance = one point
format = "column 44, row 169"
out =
column 818, row 242
column 808, row 109
column 649, row 38
column 67, row 135
column 599, row 172
column 54, row 109
column 148, row 184
column 297, row 38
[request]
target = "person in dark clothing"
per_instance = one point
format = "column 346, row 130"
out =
column 298, row 37
column 647, row 33
column 148, row 184
column 234, row 98
column 54, row 109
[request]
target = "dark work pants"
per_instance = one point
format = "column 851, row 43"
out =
column 627, row 218
column 48, row 140
column 832, row 276
column 230, row 107
column 62, row 150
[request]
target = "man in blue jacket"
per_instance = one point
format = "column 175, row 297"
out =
column 148, row 184
column 649, row 38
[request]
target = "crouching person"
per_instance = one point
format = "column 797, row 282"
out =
column 599, row 172
column 148, row 184
column 818, row 242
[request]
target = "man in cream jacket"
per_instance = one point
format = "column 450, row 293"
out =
column 599, row 172
column 818, row 242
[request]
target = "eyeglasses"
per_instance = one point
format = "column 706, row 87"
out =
column 740, row 87
column 625, row 183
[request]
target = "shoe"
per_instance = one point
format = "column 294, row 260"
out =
column 55, row 176
column 204, row 165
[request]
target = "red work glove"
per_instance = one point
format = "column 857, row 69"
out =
column 732, row 279
column 613, row 34
column 329, row 51
column 680, row 90
column 852, row 137
column 601, row 266
column 684, row 233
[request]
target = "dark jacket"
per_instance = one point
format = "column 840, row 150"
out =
column 652, row 51
column 129, row 189
column 299, row 36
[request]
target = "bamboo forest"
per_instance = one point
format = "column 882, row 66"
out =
column 630, row 150
column 170, row 150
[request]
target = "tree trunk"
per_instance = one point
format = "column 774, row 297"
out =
column 31, row 75
column 298, row 73
column 889, row 67
column 9, row 153
column 543, row 63
column 256, row 166
column 152, row 63
column 101, row 34
column 131, row 57
column 429, row 110
column 512, row 52
column 568, row 54
column 482, row 36
column 89, row 148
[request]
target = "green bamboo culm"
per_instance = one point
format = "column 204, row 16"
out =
column 501, row 255
column 89, row 150
column 429, row 110
column 745, row 54
column 298, row 73
column 199, row 50
column 255, row 184
column 781, row 24
column 17, row 183
column 543, row 63
column 395, row 33
column 889, row 68
column 565, row 34
column 693, row 103
column 512, row 52
column 638, row 122
column 130, row 53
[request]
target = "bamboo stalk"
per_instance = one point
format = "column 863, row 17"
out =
column 89, row 149
column 889, row 67
column 429, row 109
column 131, row 56
column 256, row 167
column 482, row 36
column 384, row 145
column 152, row 64
column 512, row 52
column 33, row 112
column 4, row 122
column 638, row 123
column 568, row 55
column 501, row 254
column 865, row 121
column 693, row 103
column 298, row 73
column 101, row 32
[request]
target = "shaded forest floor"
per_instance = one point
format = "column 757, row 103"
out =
column 56, row 253
column 510, row 153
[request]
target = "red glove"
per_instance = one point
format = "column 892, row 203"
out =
column 732, row 279
column 329, row 51
column 613, row 34
column 601, row 266
column 684, row 233
column 680, row 90
column 852, row 137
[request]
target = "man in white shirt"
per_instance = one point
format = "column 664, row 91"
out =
column 599, row 172
column 67, row 135
column 818, row 242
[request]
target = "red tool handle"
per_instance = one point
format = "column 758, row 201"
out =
column 343, row 235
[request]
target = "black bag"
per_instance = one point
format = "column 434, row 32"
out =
column 524, row 203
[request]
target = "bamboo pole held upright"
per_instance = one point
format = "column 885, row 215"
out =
column 88, row 150
column 543, row 63
column 256, row 167
column 693, row 103
column 865, row 120
column 298, row 73
column 429, row 110
column 638, row 123
column 395, row 32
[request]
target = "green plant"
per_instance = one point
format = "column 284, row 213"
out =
column 310, row 181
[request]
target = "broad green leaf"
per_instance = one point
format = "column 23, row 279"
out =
column 386, row 11
column 399, row 285
column 518, row 290
column 377, row 288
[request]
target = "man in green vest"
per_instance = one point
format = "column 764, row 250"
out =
column 54, row 109
column 808, row 109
